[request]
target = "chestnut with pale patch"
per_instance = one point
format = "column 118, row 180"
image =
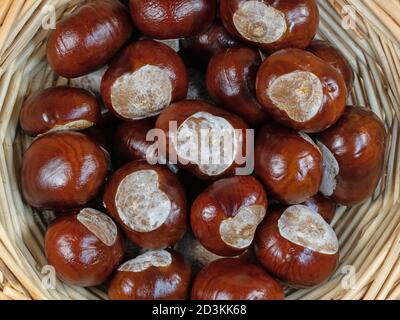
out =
column 297, row 246
column 155, row 275
column 225, row 216
column 331, row 171
column 149, row 203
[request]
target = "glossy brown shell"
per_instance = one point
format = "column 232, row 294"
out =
column 231, row 79
column 234, row 279
column 291, row 263
column 172, row 19
column 335, row 58
column 289, row 165
column 139, row 54
column 358, row 142
column 224, row 199
column 57, row 107
column 63, row 170
column 155, row 283
column 183, row 110
column 290, row 60
column 302, row 19
column 173, row 228
column 79, row 256
column 88, row 38
column 201, row 48
column 324, row 206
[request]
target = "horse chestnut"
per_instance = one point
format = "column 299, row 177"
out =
column 297, row 246
column 88, row 38
column 143, row 80
column 84, row 247
column 231, row 80
column 149, row 203
column 63, row 170
column 195, row 133
column 59, row 108
column 161, row 19
column 225, row 216
column 272, row 24
column 335, row 58
column 354, row 152
column 301, row 90
column 155, row 275
column 289, row 163
column 234, row 279
column 325, row 207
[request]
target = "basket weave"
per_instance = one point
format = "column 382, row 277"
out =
column 369, row 234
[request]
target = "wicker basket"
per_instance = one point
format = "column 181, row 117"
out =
column 366, row 31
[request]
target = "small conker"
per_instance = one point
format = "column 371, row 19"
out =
column 297, row 246
column 225, row 216
column 301, row 91
column 88, row 38
column 231, row 79
column 207, row 141
column 160, row 19
column 289, row 163
column 149, row 203
column 272, row 25
column 84, row 247
column 59, row 108
column 234, row 279
column 325, row 207
column 155, row 275
column 332, row 55
column 354, row 153
column 63, row 170
column 143, row 80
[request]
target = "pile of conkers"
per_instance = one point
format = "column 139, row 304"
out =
column 202, row 230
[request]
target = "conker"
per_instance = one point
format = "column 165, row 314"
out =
column 231, row 79
column 143, row 80
column 59, row 108
column 196, row 131
column 149, row 203
column 155, row 275
column 84, row 247
column 301, row 90
column 234, row 279
column 272, row 25
column 160, row 19
column 325, row 207
column 297, row 246
column 289, row 163
column 63, row 170
column 225, row 216
column 354, row 152
column 332, row 55
column 87, row 39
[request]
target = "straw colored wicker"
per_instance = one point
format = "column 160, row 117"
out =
column 366, row 31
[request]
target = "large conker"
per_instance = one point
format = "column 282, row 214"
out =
column 354, row 153
column 272, row 24
column 149, row 203
column 160, row 19
column 143, row 80
column 234, row 279
column 88, row 38
column 63, row 170
column 289, row 163
column 84, row 247
column 297, row 246
column 205, row 140
column 155, row 275
column 231, row 80
column 225, row 216
column 301, row 90
column 59, row 108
